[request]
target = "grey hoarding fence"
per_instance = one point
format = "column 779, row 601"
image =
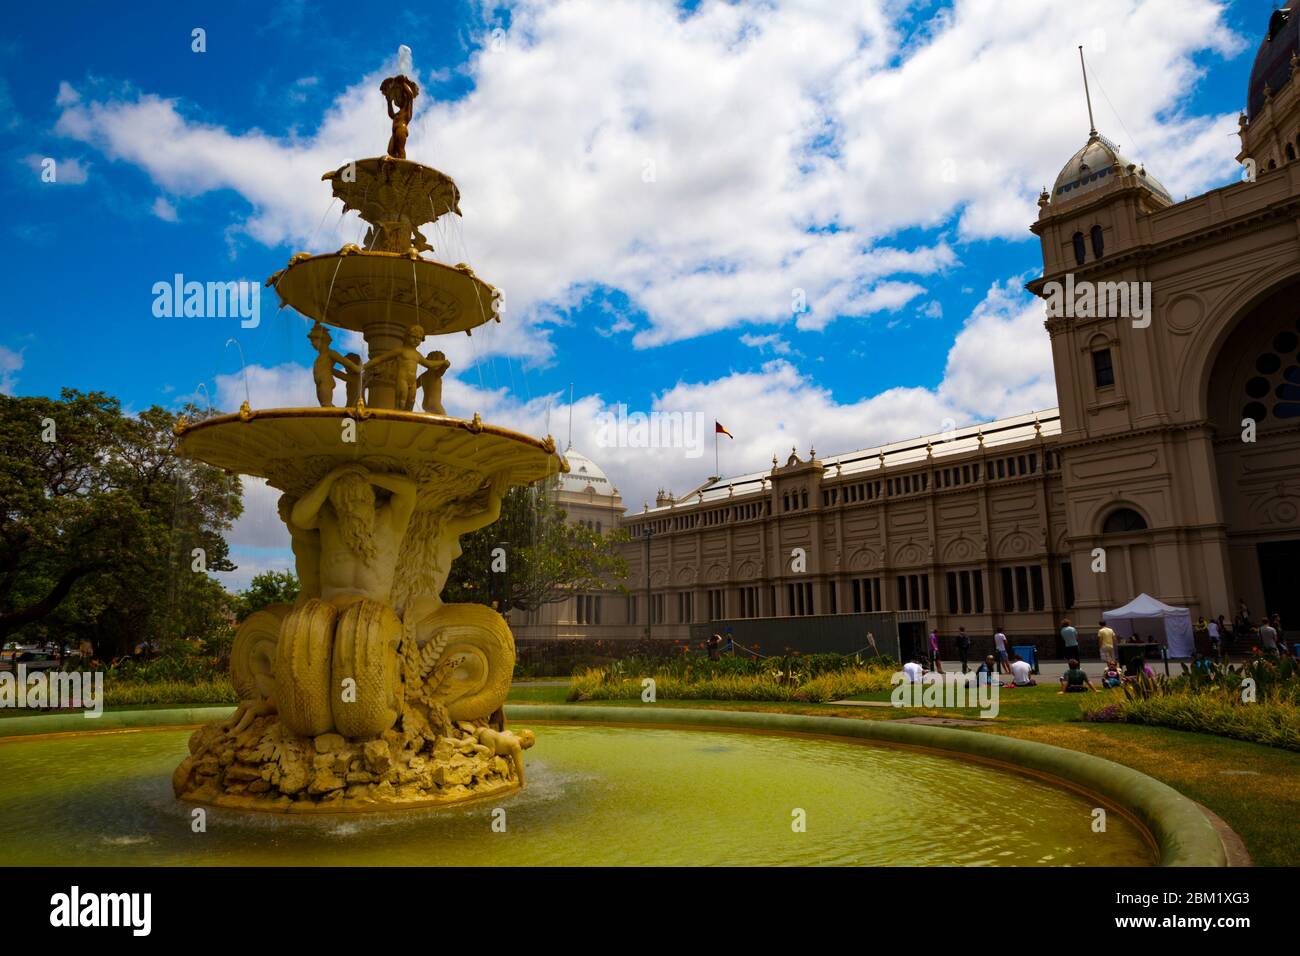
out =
column 813, row 634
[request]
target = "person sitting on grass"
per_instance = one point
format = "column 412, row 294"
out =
column 1112, row 677
column 914, row 671
column 987, row 672
column 1022, row 675
column 1074, row 680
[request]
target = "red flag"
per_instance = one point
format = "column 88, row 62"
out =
column 719, row 430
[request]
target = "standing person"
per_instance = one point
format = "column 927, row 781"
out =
column 1070, row 638
column 1106, row 642
column 1225, row 635
column 963, row 649
column 1000, row 649
column 1216, row 639
column 731, row 647
column 714, row 645
column 1267, row 636
column 935, row 663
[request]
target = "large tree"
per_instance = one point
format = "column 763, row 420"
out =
column 100, row 520
column 266, row 588
column 542, row 558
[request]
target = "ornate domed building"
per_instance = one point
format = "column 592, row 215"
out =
column 1171, row 467
column 588, row 498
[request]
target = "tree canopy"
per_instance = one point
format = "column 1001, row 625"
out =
column 543, row 559
column 100, row 520
column 266, row 588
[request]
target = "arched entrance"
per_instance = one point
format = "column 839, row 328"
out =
column 1254, row 404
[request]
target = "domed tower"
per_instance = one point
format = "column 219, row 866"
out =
column 588, row 498
column 1179, row 452
column 1270, row 126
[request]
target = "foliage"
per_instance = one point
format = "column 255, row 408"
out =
column 734, row 679
column 546, row 558
column 1216, row 700
column 266, row 588
column 99, row 519
column 217, row 690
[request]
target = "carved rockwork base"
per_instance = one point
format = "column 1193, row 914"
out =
column 424, row 760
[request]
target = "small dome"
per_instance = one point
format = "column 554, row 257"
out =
column 1094, row 166
column 583, row 474
column 1273, row 61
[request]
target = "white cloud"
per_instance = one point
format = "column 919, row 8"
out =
column 68, row 172
column 164, row 210
column 708, row 164
column 1000, row 364
column 11, row 363
column 772, row 341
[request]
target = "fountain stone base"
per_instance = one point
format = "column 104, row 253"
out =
column 426, row 759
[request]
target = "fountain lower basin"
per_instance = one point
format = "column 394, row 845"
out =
column 596, row 795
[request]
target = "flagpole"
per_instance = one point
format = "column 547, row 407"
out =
column 716, row 472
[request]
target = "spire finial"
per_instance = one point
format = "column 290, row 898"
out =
column 1092, row 125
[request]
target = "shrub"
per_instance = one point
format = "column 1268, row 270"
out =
column 1215, row 702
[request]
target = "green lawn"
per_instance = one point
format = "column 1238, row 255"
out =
column 1251, row 786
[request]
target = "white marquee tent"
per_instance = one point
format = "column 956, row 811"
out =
column 1147, row 617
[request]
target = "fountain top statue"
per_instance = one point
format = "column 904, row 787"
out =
column 369, row 691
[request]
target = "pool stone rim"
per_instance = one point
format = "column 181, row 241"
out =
column 1183, row 835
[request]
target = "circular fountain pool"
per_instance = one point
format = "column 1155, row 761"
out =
column 595, row 795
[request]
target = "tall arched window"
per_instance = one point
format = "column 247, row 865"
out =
column 1080, row 254
column 1098, row 244
column 1123, row 521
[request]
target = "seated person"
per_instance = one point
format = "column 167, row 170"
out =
column 1022, row 675
column 1074, row 680
column 1111, row 677
column 913, row 670
column 987, row 671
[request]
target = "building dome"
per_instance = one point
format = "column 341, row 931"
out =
column 583, row 474
column 1273, row 61
column 1095, row 166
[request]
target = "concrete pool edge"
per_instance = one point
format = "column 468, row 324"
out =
column 1183, row 834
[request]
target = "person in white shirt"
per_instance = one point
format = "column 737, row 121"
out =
column 1000, row 649
column 1021, row 673
column 913, row 670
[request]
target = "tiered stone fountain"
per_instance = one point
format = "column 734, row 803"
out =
column 369, row 692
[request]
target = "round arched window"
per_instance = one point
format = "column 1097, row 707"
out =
column 1080, row 251
column 1123, row 521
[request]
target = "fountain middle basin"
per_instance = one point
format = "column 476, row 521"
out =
column 596, row 795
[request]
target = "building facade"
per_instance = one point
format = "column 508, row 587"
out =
column 1171, row 465
column 588, row 498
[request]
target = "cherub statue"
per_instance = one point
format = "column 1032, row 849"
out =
column 406, row 358
column 322, row 370
column 400, row 91
column 431, row 383
column 506, row 744
column 351, row 376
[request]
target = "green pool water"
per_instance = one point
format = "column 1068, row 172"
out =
column 595, row 795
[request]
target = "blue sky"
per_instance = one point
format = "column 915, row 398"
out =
column 651, row 184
